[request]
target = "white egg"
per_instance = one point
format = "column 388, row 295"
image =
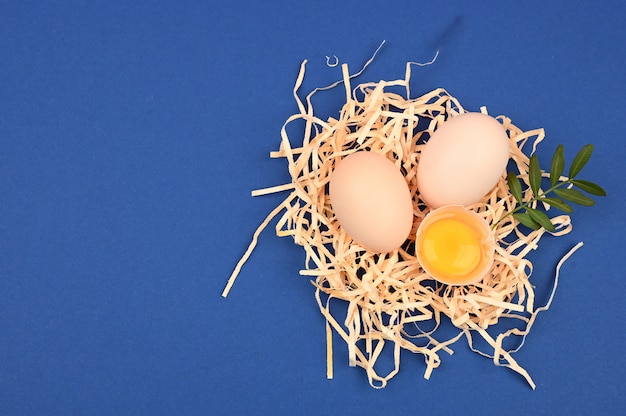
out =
column 462, row 161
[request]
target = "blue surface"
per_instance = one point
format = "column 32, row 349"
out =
column 131, row 134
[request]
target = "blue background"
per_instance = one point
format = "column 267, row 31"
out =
column 131, row 135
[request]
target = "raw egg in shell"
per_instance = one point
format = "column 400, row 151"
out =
column 455, row 245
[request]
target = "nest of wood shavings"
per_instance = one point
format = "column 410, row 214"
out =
column 389, row 297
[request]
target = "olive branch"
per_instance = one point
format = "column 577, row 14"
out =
column 560, row 193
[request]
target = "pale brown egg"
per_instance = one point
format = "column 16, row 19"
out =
column 372, row 201
column 462, row 161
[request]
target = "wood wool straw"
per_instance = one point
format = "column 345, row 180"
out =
column 388, row 296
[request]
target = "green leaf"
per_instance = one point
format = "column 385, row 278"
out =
column 526, row 220
column 534, row 174
column 515, row 186
column 592, row 188
column 541, row 218
column 558, row 204
column 574, row 196
column 580, row 160
column 557, row 166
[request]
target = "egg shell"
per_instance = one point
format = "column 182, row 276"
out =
column 372, row 201
column 462, row 161
column 450, row 243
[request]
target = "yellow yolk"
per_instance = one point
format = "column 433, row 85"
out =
column 452, row 245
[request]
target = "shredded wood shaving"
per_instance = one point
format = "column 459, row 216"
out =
column 389, row 297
